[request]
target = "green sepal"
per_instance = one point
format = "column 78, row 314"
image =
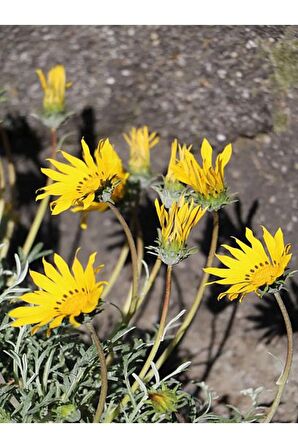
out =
column 170, row 192
column 52, row 120
column 213, row 203
column 170, row 253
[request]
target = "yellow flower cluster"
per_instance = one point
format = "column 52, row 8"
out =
column 189, row 189
column 140, row 142
column 207, row 180
column 54, row 87
column 176, row 225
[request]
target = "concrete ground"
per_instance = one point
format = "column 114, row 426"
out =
column 233, row 84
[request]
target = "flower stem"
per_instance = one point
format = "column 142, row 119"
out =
column 285, row 375
column 154, row 349
column 42, row 206
column 196, row 303
column 149, row 282
column 140, row 254
column 140, row 243
column 103, row 373
column 134, row 261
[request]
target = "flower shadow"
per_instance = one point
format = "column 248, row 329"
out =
column 268, row 317
column 24, row 145
column 229, row 226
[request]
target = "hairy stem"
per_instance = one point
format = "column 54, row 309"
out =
column 103, row 374
column 134, row 261
column 197, row 301
column 149, row 282
column 285, row 375
column 43, row 204
column 140, row 254
column 154, row 349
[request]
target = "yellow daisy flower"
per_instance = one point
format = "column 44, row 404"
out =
column 140, row 142
column 207, row 181
column 63, row 294
column 170, row 189
column 81, row 183
column 101, row 207
column 254, row 266
column 54, row 89
column 176, row 225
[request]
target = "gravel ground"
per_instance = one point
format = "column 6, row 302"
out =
column 233, row 84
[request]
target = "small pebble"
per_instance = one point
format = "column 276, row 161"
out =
column 251, row 44
column 289, row 227
column 245, row 94
column 179, row 74
column 125, row 72
column 110, row 81
column 272, row 199
column 222, row 73
column 267, row 139
column 221, row 137
column 284, row 169
column 154, row 36
column 209, row 67
column 236, row 174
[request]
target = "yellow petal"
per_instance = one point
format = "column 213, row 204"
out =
column 56, row 322
column 77, row 163
column 206, row 152
column 87, row 156
column 270, row 243
column 256, row 244
column 42, row 78
column 52, row 174
column 89, row 271
column 51, row 272
column 62, row 266
column 63, row 167
column 44, row 283
column 60, row 205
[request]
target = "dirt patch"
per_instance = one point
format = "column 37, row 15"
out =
column 229, row 84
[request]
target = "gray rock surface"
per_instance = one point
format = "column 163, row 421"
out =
column 233, row 84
